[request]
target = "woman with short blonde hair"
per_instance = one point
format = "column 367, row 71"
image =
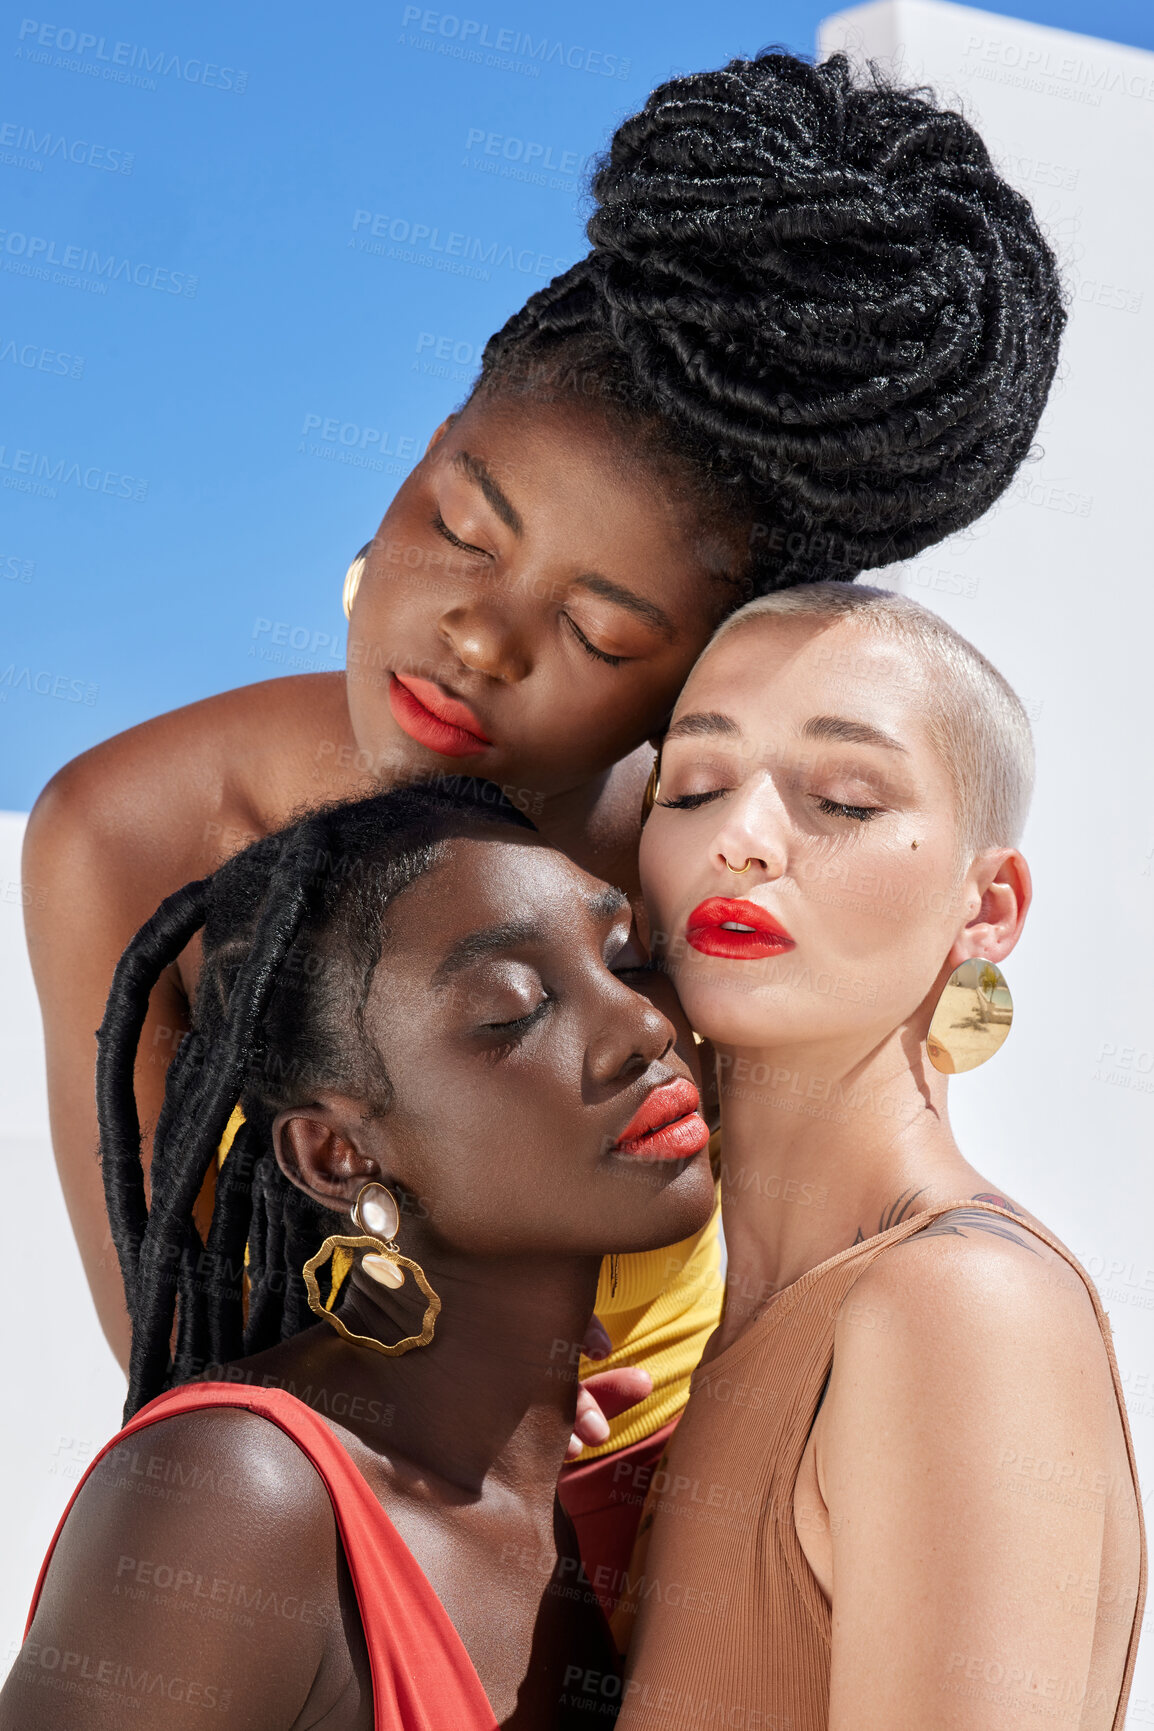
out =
column 907, row 1437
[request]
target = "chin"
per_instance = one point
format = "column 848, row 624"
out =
column 681, row 1207
column 729, row 1013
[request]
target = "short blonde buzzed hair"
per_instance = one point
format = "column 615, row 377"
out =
column 974, row 719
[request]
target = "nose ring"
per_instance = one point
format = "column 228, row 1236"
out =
column 739, row 869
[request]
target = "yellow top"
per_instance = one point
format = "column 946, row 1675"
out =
column 667, row 1304
column 230, row 1131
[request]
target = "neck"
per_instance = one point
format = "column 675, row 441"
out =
column 494, row 1393
column 821, row 1148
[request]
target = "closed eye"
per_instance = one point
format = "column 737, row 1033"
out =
column 443, row 530
column 691, row 801
column 862, row 813
column 591, row 648
column 521, row 1024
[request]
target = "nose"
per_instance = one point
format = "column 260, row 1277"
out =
column 633, row 1034
column 752, row 838
column 483, row 638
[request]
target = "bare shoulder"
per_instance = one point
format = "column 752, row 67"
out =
column 244, row 758
column 201, row 1478
column 972, row 1467
column 202, row 1551
column 963, row 1353
column 975, row 1282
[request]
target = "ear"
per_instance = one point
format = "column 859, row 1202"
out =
column 999, row 883
column 321, row 1149
column 440, row 432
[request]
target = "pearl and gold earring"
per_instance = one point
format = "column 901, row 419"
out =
column 378, row 1217
column 375, row 1211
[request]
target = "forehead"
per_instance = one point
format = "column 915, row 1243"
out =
column 583, row 484
column 509, row 884
column 775, row 673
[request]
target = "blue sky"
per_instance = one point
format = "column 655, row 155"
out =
column 192, row 449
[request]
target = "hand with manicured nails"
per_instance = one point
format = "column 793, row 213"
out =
column 604, row 1394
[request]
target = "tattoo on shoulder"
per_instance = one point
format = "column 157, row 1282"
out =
column 894, row 1214
column 897, row 1211
column 958, row 1223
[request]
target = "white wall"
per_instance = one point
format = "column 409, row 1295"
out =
column 64, row 1389
column 1054, row 585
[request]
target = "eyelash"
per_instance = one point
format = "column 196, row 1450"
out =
column 860, row 813
column 831, row 807
column 690, row 801
column 443, row 529
column 598, row 654
column 513, row 1031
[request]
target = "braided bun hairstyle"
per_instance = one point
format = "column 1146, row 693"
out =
column 293, row 931
column 817, row 293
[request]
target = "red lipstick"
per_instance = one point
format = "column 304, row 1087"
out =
column 710, row 928
column 433, row 718
column 667, row 1124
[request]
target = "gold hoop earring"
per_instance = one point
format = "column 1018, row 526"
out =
column 972, row 1019
column 652, row 789
column 375, row 1211
column 739, row 869
column 353, row 579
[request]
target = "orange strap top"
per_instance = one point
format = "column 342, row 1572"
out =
column 423, row 1679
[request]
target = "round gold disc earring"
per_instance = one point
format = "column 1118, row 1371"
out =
column 353, row 579
column 972, row 1018
column 652, row 789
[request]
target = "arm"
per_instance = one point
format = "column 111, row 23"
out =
column 170, row 1609
column 944, row 1561
column 113, row 833
column 91, row 864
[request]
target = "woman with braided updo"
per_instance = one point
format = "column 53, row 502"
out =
column 814, row 334
column 437, row 1025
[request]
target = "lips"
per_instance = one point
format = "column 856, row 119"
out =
column 430, row 716
column 667, row 1125
column 710, row 929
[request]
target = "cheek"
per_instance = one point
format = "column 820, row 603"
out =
column 889, row 923
column 496, row 1168
column 663, row 867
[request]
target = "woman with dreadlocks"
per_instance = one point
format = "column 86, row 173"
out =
column 814, row 334
column 447, row 1077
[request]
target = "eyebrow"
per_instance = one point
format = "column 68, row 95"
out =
column 654, row 616
column 478, row 472
column 848, row 732
column 706, row 721
column 607, row 903
column 836, row 727
column 493, row 940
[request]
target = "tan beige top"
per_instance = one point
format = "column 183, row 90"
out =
column 730, row 1626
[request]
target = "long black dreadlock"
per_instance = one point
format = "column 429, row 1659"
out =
column 293, row 931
